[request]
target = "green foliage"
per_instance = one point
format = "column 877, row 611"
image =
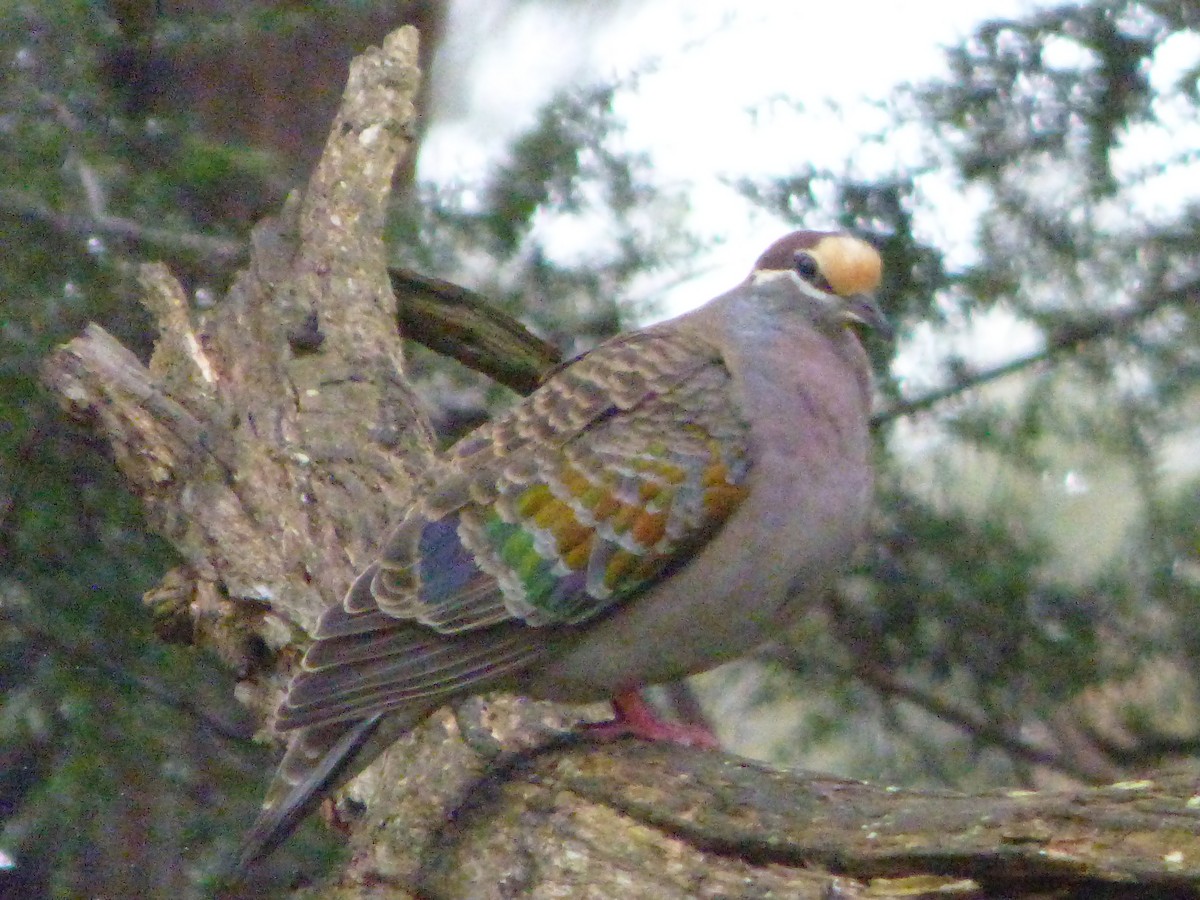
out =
column 103, row 730
column 552, row 166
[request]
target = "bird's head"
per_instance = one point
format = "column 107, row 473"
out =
column 836, row 272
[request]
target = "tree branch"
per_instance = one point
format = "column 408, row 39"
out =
column 1067, row 337
column 981, row 728
column 218, row 254
column 465, row 326
column 445, row 317
column 649, row 821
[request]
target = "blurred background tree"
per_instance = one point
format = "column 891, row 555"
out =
column 1025, row 612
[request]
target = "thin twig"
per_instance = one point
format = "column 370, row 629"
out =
column 213, row 252
column 108, row 662
column 975, row 724
column 1064, row 338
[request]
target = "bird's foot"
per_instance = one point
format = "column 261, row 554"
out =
column 635, row 718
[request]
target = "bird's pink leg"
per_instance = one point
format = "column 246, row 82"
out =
column 635, row 718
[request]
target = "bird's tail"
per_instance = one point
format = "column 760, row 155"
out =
column 318, row 760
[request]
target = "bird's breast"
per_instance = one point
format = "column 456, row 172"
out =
column 808, row 499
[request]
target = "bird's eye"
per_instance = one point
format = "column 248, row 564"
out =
column 806, row 266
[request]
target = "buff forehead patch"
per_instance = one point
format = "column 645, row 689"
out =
column 849, row 264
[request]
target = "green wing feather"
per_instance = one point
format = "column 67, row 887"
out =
column 584, row 495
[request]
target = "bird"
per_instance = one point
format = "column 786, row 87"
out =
column 666, row 502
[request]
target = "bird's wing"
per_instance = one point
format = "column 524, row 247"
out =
column 611, row 475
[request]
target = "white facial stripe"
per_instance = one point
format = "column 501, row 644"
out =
column 763, row 276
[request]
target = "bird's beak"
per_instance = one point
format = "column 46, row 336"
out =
column 861, row 309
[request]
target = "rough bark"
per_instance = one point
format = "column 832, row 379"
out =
column 274, row 437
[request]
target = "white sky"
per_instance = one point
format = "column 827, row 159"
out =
column 712, row 65
column 716, row 99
